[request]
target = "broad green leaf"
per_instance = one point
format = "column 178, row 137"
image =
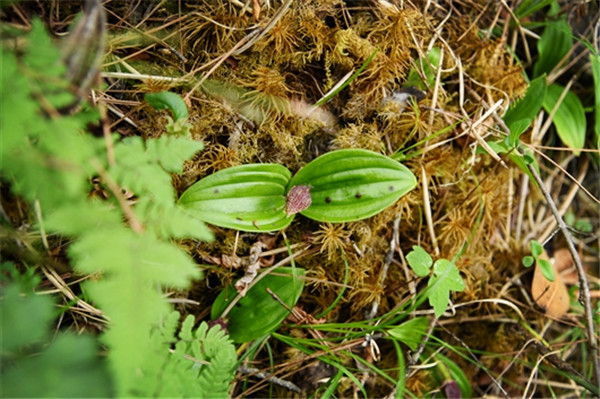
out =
column 446, row 278
column 528, row 261
column 247, row 197
column 569, row 118
column 258, row 313
column 546, row 268
column 168, row 100
column 352, row 184
column 410, row 332
column 419, row 261
column 520, row 115
column 430, row 67
column 553, row 46
column 536, row 248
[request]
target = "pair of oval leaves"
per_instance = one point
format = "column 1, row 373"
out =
column 340, row 186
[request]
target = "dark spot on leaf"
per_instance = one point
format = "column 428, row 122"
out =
column 391, row 188
column 358, row 195
column 216, row 191
column 238, row 219
column 327, row 199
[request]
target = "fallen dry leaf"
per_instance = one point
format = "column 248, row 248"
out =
column 550, row 295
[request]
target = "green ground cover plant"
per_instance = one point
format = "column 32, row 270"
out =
column 154, row 158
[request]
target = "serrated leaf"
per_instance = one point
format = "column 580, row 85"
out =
column 569, row 118
column 410, row 332
column 446, row 278
column 520, row 115
column 16, row 330
column 258, row 313
column 553, row 46
column 172, row 221
column 168, row 100
column 66, row 367
column 419, row 261
column 172, row 151
column 81, row 217
column 201, row 366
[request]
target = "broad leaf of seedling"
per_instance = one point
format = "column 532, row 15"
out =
column 410, row 332
column 536, row 248
column 247, row 197
column 419, row 261
column 258, row 313
column 553, row 46
column 569, row 118
column 430, row 66
column 520, row 115
column 170, row 101
column 446, row 278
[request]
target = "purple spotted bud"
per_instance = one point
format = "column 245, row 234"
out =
column 298, row 199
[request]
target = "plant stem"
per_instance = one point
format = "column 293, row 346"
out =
column 584, row 292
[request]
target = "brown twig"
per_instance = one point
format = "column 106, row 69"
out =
column 584, row 293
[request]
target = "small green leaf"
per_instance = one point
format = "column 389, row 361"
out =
column 410, row 332
column 419, row 261
column 569, row 118
column 258, row 313
column 536, row 248
column 546, row 268
column 528, row 261
column 446, row 278
column 352, row 184
column 430, row 66
column 247, row 197
column 553, row 46
column 166, row 99
column 501, row 147
column 520, row 115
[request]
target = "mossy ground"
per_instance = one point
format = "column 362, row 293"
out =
column 254, row 108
